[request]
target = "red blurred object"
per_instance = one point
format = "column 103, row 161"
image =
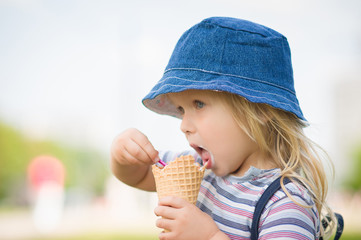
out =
column 44, row 169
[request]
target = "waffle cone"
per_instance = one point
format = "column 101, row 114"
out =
column 181, row 177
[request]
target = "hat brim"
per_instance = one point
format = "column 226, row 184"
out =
column 254, row 90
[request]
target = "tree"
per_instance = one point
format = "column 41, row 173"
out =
column 353, row 182
column 85, row 168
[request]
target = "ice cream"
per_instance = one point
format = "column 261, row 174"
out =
column 181, row 177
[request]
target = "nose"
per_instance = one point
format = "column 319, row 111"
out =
column 187, row 125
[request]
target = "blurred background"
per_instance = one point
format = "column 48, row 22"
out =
column 72, row 76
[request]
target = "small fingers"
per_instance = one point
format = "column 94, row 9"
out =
column 129, row 157
column 167, row 235
column 172, row 201
column 168, row 229
column 133, row 147
column 126, row 151
column 137, row 152
column 147, row 147
column 164, row 223
column 165, row 212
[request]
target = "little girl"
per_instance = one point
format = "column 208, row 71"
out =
column 230, row 82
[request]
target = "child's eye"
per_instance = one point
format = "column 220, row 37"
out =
column 199, row 104
column 180, row 110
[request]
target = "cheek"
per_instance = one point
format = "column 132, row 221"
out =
column 232, row 141
column 223, row 134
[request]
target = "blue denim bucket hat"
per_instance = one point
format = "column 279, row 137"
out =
column 230, row 55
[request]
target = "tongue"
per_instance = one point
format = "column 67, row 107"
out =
column 206, row 156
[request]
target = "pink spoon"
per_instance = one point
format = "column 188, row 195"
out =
column 162, row 163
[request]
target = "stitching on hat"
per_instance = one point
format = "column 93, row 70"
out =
column 269, row 99
column 242, row 93
column 222, row 85
column 231, row 75
column 249, row 89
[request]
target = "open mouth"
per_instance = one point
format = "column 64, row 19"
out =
column 204, row 154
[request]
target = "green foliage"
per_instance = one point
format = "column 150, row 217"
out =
column 13, row 158
column 85, row 168
column 354, row 179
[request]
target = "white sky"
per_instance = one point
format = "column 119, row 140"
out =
column 77, row 70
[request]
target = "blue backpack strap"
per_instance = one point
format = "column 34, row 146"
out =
column 340, row 225
column 266, row 196
column 261, row 204
column 339, row 228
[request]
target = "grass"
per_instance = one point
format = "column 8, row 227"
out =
column 351, row 236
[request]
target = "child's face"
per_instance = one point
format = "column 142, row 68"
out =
column 212, row 131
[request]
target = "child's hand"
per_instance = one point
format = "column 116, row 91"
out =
column 132, row 154
column 133, row 148
column 184, row 220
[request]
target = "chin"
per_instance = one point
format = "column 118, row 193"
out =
column 219, row 173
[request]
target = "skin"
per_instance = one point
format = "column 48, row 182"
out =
column 212, row 131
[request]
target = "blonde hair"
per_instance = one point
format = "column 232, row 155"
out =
column 280, row 135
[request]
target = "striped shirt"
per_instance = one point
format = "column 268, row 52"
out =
column 231, row 201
